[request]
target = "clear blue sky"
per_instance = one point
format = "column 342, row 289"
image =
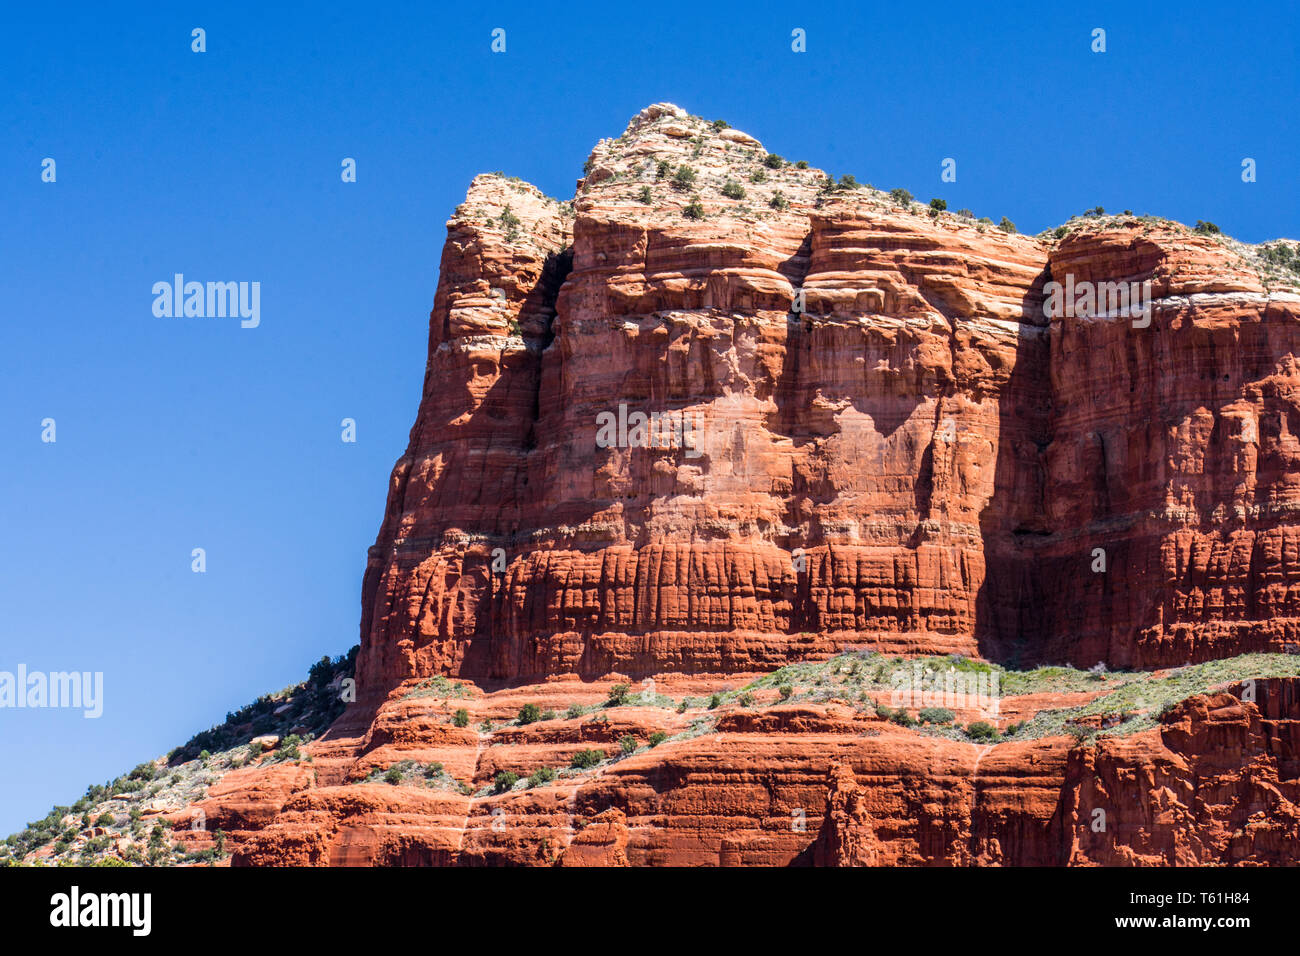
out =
column 183, row 433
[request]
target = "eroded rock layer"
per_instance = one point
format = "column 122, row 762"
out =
column 1216, row 781
column 864, row 432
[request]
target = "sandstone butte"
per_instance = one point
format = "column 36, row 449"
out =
column 917, row 462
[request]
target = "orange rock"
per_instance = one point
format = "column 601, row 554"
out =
column 870, row 434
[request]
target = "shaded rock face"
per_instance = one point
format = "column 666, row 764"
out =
column 868, row 434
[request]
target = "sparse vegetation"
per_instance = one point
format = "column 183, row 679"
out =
column 684, row 179
column 733, row 190
column 585, row 759
column 540, row 776
column 935, row 715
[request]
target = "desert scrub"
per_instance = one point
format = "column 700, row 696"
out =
column 733, row 190
column 540, row 776
column 935, row 715
column 586, row 759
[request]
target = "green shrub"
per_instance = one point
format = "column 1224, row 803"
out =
column 106, row 820
column 618, row 695
column 901, row 196
column 773, row 161
column 585, row 759
column 529, row 714
column 746, row 699
column 540, row 776
column 505, row 780
column 935, row 715
column 802, row 164
column 1206, row 228
column 433, row 769
column 394, row 776
column 627, row 743
column 1006, row 225
column 718, row 125
column 981, row 730
column 663, row 169
column 693, row 211
column 657, row 738
column 733, row 190
column 937, row 206
column 758, row 176
column 778, row 201
column 848, row 181
column 646, row 195
column 684, row 178
column 1061, row 231
column 460, row 718
column 715, row 702
column 902, row 718
column 786, row 691
column 575, row 711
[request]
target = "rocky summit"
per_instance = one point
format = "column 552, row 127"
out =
column 755, row 516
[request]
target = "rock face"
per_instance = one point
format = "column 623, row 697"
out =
column 1215, row 781
column 865, row 432
column 720, row 415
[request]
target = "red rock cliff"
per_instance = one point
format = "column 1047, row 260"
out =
column 916, row 460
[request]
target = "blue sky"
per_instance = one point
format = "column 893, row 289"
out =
column 174, row 434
